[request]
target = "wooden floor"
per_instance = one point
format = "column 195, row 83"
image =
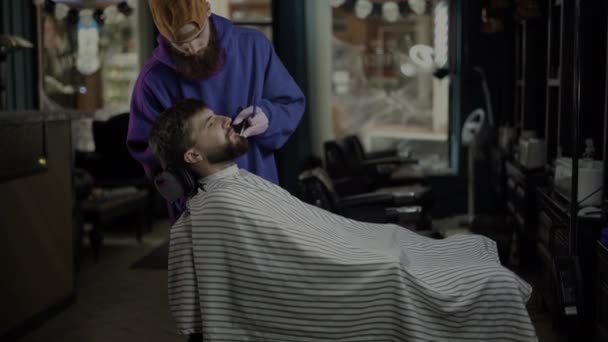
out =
column 116, row 304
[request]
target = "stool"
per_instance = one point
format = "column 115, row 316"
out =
column 102, row 210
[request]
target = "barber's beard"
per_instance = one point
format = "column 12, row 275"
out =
column 201, row 65
column 236, row 147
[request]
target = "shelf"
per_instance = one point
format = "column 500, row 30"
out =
column 519, row 83
column 246, row 22
column 557, row 3
column 553, row 82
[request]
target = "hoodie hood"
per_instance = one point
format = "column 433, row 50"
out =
column 222, row 26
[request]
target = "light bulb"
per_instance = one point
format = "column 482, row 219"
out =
column 390, row 11
column 418, row 6
column 363, row 8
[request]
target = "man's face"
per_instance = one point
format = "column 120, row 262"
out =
column 215, row 138
column 197, row 56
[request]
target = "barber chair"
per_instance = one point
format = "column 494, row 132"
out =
column 354, row 171
column 316, row 188
column 110, row 164
column 83, row 186
column 121, row 187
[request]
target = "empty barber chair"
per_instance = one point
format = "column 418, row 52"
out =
column 316, row 188
column 354, row 171
column 120, row 186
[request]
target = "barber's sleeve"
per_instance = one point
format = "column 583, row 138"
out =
column 282, row 101
column 144, row 110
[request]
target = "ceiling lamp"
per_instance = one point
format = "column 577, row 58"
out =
column 418, row 6
column 390, row 11
column 363, row 8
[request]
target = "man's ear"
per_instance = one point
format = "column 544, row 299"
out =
column 192, row 156
column 208, row 9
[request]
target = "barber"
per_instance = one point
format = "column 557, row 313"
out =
column 233, row 69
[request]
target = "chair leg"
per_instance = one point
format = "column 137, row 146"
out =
column 78, row 236
column 96, row 240
column 141, row 225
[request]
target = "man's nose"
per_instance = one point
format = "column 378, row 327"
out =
column 226, row 121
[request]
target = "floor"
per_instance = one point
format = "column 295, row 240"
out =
column 116, row 304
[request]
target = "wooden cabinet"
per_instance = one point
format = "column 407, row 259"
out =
column 36, row 248
column 601, row 293
column 553, row 240
column 521, row 206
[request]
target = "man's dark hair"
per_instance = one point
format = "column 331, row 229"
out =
column 171, row 134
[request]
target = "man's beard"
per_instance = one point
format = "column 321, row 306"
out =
column 235, row 148
column 201, row 65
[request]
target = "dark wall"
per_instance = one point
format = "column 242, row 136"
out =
column 289, row 34
column 19, row 72
column 494, row 53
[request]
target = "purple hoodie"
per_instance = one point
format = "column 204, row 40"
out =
column 250, row 67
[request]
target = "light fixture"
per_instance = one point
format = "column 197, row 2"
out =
column 363, row 8
column 408, row 69
column 61, row 11
column 440, row 33
column 336, row 3
column 390, row 11
column 422, row 55
column 418, row 6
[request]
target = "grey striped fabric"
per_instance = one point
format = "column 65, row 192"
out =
column 250, row 262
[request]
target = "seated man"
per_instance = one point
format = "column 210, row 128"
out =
column 250, row 262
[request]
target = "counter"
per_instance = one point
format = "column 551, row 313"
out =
column 36, row 228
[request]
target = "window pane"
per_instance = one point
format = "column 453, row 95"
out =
column 266, row 29
column 89, row 60
column 243, row 11
column 250, row 13
column 384, row 55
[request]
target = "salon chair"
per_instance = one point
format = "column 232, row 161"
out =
column 316, row 188
column 354, row 171
column 83, row 187
column 121, row 187
column 110, row 164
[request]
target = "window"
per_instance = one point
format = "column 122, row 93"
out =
column 89, row 59
column 250, row 13
column 384, row 55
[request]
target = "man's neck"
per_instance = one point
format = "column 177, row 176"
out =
column 210, row 169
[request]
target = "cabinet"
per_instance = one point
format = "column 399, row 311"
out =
column 521, row 206
column 36, row 218
column 565, row 111
column 601, row 292
column 554, row 239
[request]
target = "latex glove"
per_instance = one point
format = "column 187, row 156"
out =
column 257, row 122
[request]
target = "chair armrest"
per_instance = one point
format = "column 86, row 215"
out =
column 348, row 186
column 404, row 214
column 386, row 166
column 410, row 195
column 390, row 160
column 382, row 154
column 367, row 199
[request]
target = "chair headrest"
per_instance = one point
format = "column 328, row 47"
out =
column 319, row 174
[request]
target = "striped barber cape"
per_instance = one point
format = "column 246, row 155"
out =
column 250, row 262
